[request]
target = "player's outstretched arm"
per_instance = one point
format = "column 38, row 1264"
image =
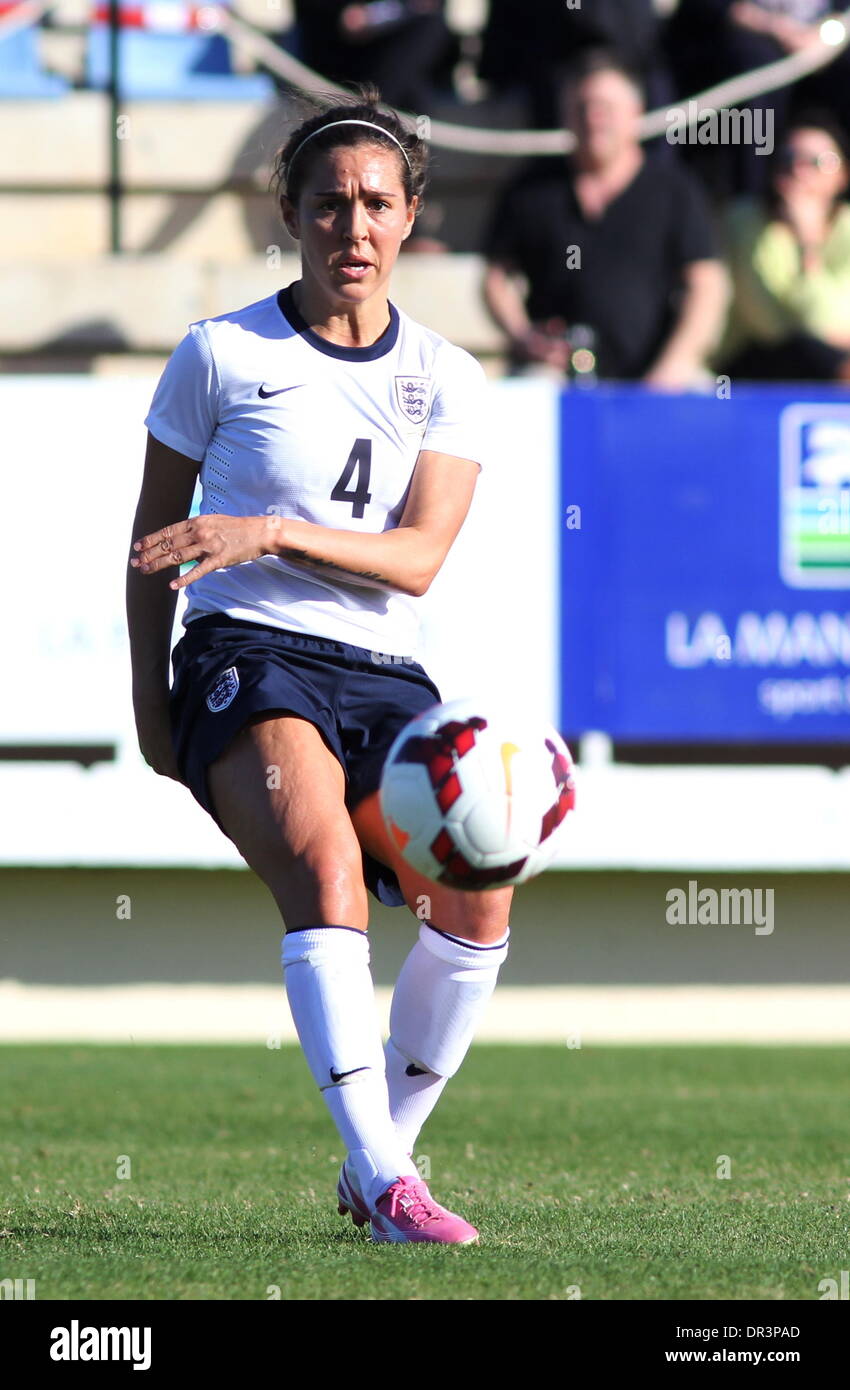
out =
column 167, row 488
column 405, row 558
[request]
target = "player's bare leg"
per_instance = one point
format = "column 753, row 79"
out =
column 279, row 793
column 444, row 985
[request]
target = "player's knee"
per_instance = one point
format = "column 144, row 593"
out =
column 335, row 870
column 320, row 885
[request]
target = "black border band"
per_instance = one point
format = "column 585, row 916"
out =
column 473, row 945
column 384, row 344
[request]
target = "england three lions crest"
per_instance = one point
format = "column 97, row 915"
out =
column 224, row 690
column 413, row 394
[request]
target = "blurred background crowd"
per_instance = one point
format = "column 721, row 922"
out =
column 666, row 575
column 626, row 258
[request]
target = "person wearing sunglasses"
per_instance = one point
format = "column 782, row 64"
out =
column 789, row 255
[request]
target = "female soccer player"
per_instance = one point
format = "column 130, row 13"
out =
column 339, row 444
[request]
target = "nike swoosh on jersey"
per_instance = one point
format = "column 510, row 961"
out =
column 265, row 394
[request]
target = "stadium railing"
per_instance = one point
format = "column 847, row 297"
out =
column 195, row 59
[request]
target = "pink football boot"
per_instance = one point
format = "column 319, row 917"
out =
column 350, row 1197
column 407, row 1212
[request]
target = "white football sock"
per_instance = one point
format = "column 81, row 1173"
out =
column 331, row 995
column 441, row 993
column 413, row 1092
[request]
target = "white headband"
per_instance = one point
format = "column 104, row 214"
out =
column 350, row 121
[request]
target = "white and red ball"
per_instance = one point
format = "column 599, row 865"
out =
column 474, row 799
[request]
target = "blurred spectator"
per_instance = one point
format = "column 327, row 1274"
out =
column 712, row 40
column 790, row 261
column 404, row 46
column 614, row 247
column 526, row 45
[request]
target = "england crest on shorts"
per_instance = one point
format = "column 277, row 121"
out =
column 224, row 691
column 413, row 394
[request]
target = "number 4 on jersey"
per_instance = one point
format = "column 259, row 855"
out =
column 361, row 459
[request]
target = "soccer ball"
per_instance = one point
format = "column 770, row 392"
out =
column 477, row 800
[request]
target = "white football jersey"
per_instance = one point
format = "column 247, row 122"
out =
column 284, row 422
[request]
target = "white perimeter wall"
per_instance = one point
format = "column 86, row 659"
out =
column 74, row 449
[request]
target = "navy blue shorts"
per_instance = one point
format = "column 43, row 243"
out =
column 227, row 670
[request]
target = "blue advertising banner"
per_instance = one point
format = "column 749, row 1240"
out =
column 705, row 564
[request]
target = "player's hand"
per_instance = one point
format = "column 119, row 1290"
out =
column 214, row 541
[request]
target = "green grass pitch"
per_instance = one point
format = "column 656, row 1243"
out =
column 590, row 1172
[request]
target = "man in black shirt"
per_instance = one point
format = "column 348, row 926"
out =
column 612, row 242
